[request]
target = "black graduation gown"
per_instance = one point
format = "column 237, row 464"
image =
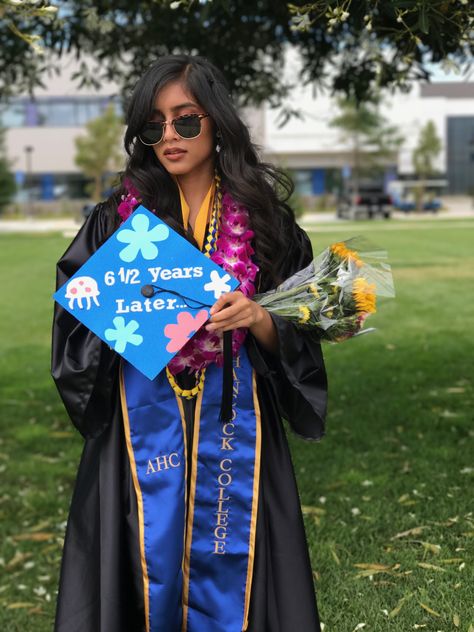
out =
column 100, row 588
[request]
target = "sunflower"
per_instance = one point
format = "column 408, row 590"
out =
column 341, row 250
column 364, row 295
column 305, row 314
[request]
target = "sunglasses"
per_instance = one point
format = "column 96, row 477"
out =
column 186, row 126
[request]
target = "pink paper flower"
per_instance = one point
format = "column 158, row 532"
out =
column 185, row 328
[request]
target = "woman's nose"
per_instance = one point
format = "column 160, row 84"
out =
column 169, row 133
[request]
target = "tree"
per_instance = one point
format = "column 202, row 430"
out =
column 424, row 155
column 353, row 47
column 98, row 153
column 371, row 139
column 20, row 23
column 7, row 180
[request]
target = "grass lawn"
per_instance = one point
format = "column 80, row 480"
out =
column 387, row 494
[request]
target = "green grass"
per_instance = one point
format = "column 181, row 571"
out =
column 398, row 454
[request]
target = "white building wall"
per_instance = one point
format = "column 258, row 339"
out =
column 312, row 142
column 53, row 147
column 307, row 143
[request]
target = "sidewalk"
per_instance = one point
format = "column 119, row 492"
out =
column 39, row 226
column 69, row 227
column 310, row 219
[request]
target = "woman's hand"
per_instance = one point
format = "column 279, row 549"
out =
column 233, row 310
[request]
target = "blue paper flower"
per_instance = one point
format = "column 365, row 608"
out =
column 123, row 334
column 140, row 239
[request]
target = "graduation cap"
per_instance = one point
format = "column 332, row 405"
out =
column 146, row 291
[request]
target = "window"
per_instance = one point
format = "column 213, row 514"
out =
column 55, row 111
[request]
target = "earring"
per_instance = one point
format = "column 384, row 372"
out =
column 219, row 138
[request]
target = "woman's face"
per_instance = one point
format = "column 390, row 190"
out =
column 196, row 154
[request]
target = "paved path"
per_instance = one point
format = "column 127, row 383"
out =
column 460, row 213
column 38, row 225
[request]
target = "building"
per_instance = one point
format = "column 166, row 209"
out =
column 41, row 132
column 319, row 158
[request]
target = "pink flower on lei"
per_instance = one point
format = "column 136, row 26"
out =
column 129, row 201
column 236, row 220
column 188, row 358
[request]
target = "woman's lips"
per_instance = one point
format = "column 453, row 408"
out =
column 174, row 154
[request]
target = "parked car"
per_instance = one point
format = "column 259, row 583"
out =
column 368, row 199
column 408, row 205
column 404, row 193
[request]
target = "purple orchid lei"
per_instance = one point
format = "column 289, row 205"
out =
column 233, row 252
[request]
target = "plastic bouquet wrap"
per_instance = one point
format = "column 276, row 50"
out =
column 334, row 295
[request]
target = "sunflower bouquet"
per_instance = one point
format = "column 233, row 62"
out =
column 333, row 296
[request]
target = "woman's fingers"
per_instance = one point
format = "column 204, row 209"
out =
column 231, row 310
column 235, row 325
column 224, row 299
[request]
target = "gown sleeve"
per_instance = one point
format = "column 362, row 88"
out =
column 296, row 373
column 83, row 367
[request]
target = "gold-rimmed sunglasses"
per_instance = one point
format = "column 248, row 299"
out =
column 186, row 126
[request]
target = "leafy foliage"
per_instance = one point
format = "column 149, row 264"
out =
column 21, row 62
column 371, row 138
column 98, row 153
column 354, row 48
column 7, row 181
column 426, row 151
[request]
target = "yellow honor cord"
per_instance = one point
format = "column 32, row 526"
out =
column 187, row 393
column 214, row 196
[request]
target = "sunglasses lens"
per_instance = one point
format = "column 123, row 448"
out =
column 152, row 133
column 188, row 126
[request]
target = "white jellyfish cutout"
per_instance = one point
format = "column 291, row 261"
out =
column 82, row 287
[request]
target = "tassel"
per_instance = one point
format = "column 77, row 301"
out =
column 227, row 378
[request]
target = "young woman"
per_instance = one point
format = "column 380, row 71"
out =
column 204, row 533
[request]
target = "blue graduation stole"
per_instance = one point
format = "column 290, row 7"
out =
column 197, row 565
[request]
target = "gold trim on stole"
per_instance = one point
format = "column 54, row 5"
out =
column 190, row 517
column 183, row 424
column 141, row 526
column 253, row 519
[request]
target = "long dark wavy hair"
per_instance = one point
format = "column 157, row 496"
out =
column 261, row 187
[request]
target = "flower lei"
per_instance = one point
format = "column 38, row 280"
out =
column 233, row 252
